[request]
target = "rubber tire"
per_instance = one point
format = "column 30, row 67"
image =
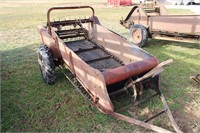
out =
column 144, row 33
column 46, row 64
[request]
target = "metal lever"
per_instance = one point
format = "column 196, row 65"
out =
column 155, row 71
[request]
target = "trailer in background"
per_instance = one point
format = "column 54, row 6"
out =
column 146, row 23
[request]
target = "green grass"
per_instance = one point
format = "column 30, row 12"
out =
column 28, row 104
column 180, row 11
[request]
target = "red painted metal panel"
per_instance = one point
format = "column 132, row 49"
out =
column 125, row 2
column 124, row 72
column 119, row 2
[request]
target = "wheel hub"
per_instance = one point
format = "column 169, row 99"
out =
column 136, row 36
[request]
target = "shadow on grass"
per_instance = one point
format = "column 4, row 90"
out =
column 23, row 92
column 28, row 104
column 158, row 42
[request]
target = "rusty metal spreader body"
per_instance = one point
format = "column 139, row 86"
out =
column 101, row 63
column 156, row 21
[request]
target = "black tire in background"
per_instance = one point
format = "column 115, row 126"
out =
column 139, row 35
column 46, row 64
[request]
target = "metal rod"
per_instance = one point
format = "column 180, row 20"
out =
column 77, row 85
column 175, row 126
column 86, row 50
column 140, row 123
column 63, row 32
column 137, row 102
column 117, row 92
column 63, row 8
column 72, row 36
column 69, row 22
column 156, row 115
column 144, row 100
column 98, row 59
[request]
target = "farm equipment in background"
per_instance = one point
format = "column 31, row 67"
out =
column 184, row 2
column 101, row 64
column 152, row 22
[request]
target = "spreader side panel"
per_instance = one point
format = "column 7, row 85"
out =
column 49, row 41
column 116, row 44
column 91, row 79
column 185, row 24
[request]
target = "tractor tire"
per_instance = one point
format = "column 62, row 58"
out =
column 46, row 64
column 139, row 35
